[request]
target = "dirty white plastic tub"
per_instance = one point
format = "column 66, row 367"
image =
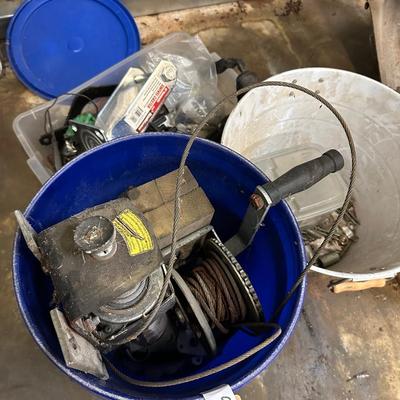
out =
column 271, row 120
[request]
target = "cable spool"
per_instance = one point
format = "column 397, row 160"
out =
column 223, row 290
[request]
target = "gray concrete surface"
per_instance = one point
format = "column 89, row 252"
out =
column 338, row 336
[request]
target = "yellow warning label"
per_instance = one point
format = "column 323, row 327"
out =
column 134, row 232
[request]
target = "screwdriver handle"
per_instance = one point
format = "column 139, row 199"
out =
column 304, row 176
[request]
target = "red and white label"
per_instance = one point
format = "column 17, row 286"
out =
column 150, row 99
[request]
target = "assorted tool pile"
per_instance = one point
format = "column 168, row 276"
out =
column 169, row 300
column 343, row 237
column 178, row 292
column 142, row 286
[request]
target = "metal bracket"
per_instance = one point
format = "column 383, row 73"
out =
column 28, row 233
column 260, row 203
column 295, row 180
column 77, row 351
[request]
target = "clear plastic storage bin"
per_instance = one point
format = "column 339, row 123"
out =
column 29, row 126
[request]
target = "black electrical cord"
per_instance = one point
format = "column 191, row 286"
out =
column 48, row 125
column 86, row 95
column 50, row 136
column 177, row 212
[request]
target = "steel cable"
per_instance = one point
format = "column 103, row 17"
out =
column 219, row 297
column 177, row 213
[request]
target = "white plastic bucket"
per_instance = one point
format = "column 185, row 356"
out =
column 268, row 120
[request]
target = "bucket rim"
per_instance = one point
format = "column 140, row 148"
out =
column 117, row 395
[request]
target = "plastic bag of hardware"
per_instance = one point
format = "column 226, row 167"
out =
column 197, row 82
column 196, row 90
column 137, row 100
column 119, row 102
column 191, row 95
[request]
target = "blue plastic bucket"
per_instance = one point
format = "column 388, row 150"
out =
column 273, row 262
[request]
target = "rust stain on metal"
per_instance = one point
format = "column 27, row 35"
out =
column 256, row 201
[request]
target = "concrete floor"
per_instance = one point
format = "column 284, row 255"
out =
column 338, row 336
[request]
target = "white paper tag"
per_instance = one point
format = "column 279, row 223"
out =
column 221, row 393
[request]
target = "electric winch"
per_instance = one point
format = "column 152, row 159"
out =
column 112, row 292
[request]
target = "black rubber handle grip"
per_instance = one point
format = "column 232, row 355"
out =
column 304, row 176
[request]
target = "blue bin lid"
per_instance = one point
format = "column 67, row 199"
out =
column 56, row 45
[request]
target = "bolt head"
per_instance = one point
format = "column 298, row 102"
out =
column 94, row 234
column 169, row 73
column 257, row 201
